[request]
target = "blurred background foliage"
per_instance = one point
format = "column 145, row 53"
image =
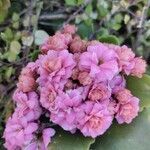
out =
column 24, row 24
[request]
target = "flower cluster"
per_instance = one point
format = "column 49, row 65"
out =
column 78, row 85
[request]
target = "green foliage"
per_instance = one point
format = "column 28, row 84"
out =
column 134, row 136
column 141, row 89
column 109, row 39
column 66, row 141
column 23, row 28
column 4, row 5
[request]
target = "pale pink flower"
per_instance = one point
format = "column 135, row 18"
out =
column 71, row 29
column 47, row 96
column 75, row 73
column 18, row 132
column 27, row 79
column 56, row 68
column 125, row 56
column 99, row 91
column 42, row 143
column 57, row 42
column 117, row 83
column 128, row 111
column 78, row 45
column 93, row 119
column 84, row 78
column 26, row 83
column 139, row 67
column 65, row 115
column 27, row 105
column 123, row 96
column 100, row 62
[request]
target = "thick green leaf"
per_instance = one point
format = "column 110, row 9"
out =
column 66, row 141
column 140, row 87
column 109, row 39
column 134, row 136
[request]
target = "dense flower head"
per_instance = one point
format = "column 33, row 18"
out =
column 76, row 84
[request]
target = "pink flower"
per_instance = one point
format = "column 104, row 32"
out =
column 93, row 119
column 78, row 45
column 48, row 96
column 100, row 62
column 125, row 56
column 84, row 78
column 75, row 73
column 27, row 105
column 18, row 133
column 65, row 115
column 57, row 42
column 127, row 112
column 139, row 67
column 71, row 29
column 26, row 83
column 117, row 83
column 123, row 96
column 99, row 91
column 43, row 142
column 56, row 68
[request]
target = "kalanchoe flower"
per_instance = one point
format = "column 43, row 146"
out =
column 75, row 84
column 125, row 57
column 139, row 67
column 71, row 29
column 93, row 119
column 27, row 105
column 65, row 115
column 84, row 78
column 55, row 67
column 57, row 42
column 100, row 62
column 27, row 81
column 43, row 142
column 78, row 45
column 18, row 132
column 123, row 96
column 117, row 83
column 48, row 96
column 128, row 111
column 99, row 91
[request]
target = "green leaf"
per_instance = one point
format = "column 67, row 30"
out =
column 8, row 73
column 10, row 56
column 66, row 141
column 84, row 30
column 140, row 87
column 71, row 2
column 9, row 34
column 40, row 37
column 15, row 17
column 134, row 136
column 79, row 2
column 15, row 47
column 109, row 39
